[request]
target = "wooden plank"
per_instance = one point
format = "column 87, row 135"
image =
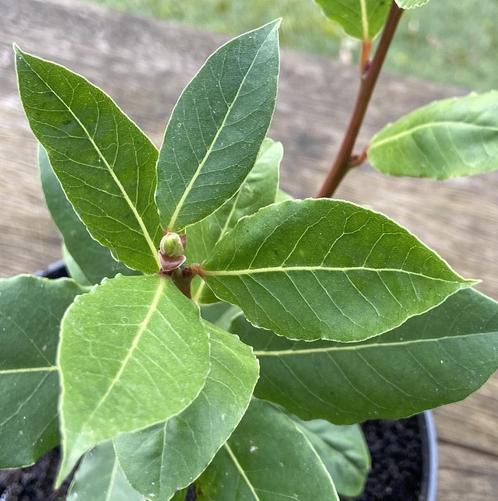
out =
column 144, row 64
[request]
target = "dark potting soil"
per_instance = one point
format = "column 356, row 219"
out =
column 396, row 475
column 396, row 451
column 34, row 483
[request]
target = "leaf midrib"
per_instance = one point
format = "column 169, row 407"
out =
column 188, row 189
column 286, row 269
column 50, row 368
column 239, row 468
column 433, row 124
column 142, row 327
column 352, row 347
column 137, row 216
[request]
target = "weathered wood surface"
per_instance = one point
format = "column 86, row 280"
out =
column 144, row 64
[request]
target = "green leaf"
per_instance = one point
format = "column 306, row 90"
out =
column 258, row 190
column 411, row 4
column 220, row 314
column 361, row 19
column 214, row 134
column 343, row 451
column 167, row 457
column 133, row 353
column 104, row 163
column 433, row 359
column 31, row 309
column 73, row 269
column 267, row 458
column 93, row 260
column 327, row 269
column 445, row 139
column 100, row 478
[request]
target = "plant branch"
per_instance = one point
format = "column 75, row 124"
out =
column 369, row 77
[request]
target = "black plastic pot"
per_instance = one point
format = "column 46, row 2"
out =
column 404, row 458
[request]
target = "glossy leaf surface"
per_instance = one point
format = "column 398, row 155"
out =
column 258, row 190
column 167, row 457
column 216, row 129
column 31, row 309
column 104, row 163
column 133, row 343
column 343, row 451
column 327, row 269
column 431, row 360
column 100, row 478
column 93, row 259
column 445, row 139
column 266, row 459
column 361, row 19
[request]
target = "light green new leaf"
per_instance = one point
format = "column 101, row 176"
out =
column 31, row 309
column 167, row 457
column 267, row 458
column 135, row 344
column 104, row 163
column 214, row 134
column 411, row 4
column 431, row 360
column 100, row 478
column 343, row 451
column 361, row 19
column 94, row 260
column 258, row 190
column 327, row 269
column 448, row 138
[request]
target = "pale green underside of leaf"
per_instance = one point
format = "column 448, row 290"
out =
column 445, row 139
column 411, row 4
column 343, row 451
column 104, row 163
column 100, row 478
column 217, row 126
column 31, row 309
column 93, row 260
column 267, row 458
column 258, row 190
column 431, row 360
column 361, row 19
column 327, row 269
column 170, row 456
column 133, row 343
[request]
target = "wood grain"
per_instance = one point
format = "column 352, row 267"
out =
column 143, row 64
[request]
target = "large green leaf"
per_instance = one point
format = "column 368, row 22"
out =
column 217, row 126
column 343, row 451
column 258, row 190
column 104, row 163
column 361, row 19
column 431, row 360
column 100, row 478
column 133, row 353
column 31, row 309
column 411, row 4
column 327, row 269
column 448, row 138
column 167, row 457
column 94, row 260
column 267, row 458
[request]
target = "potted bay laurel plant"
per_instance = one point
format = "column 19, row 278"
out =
column 216, row 331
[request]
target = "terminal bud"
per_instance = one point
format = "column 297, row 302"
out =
column 172, row 245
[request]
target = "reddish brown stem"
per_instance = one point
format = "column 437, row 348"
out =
column 369, row 77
